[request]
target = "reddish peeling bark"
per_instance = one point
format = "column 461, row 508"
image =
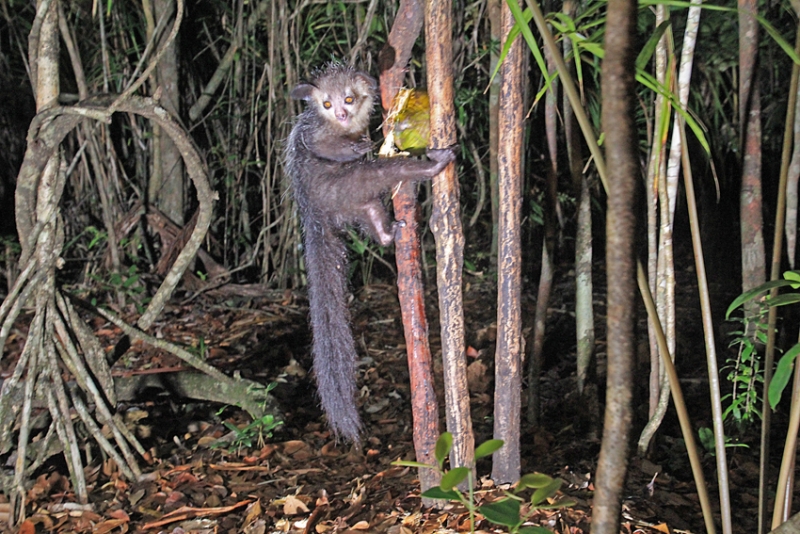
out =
column 752, row 236
column 425, row 410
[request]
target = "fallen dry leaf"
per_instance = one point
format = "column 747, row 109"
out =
column 292, row 505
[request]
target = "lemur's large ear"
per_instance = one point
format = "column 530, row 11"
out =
column 303, row 91
column 371, row 83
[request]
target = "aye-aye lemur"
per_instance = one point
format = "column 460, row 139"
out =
column 335, row 186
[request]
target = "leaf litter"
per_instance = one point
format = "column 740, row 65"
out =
column 301, row 480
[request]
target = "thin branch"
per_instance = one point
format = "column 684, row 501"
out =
column 183, row 354
column 134, row 86
column 364, row 31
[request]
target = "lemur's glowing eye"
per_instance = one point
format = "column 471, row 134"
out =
column 349, row 100
column 327, row 104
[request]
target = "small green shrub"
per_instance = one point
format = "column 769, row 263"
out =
column 505, row 511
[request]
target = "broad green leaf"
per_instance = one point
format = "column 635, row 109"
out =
column 454, row 477
column 534, row 530
column 438, row 493
column 443, row 446
column 488, row 447
column 783, row 372
column 543, row 493
column 503, row 512
column 753, row 293
column 793, row 276
column 596, row 49
column 563, row 503
column 784, row 300
column 534, row 480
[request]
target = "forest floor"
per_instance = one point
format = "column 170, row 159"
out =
column 301, row 480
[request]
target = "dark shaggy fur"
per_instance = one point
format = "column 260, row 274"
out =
column 335, row 186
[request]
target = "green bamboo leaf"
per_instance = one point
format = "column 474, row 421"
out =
column 527, row 34
column 596, row 49
column 783, row 43
column 768, row 27
column 649, row 47
column 96, row 239
column 512, row 36
column 454, row 477
column 545, row 86
column 682, row 4
column 647, row 80
column 487, row 447
column 502, row 512
column 562, row 23
column 651, row 83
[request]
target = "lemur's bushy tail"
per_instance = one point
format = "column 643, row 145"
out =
column 333, row 347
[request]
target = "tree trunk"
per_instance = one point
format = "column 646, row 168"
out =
column 508, row 372
column 167, row 188
column 619, row 98
column 408, row 252
column 584, row 309
column 666, row 275
column 445, row 225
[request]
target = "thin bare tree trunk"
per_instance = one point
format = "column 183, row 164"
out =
column 584, row 310
column 656, row 171
column 508, row 361
column 750, row 204
column 445, row 225
column 790, row 226
column 752, row 220
column 666, row 270
column 783, row 495
column 619, row 98
column 753, row 258
column 168, row 191
column 548, row 244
